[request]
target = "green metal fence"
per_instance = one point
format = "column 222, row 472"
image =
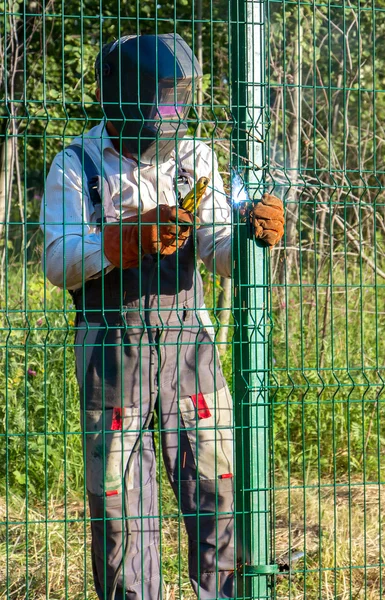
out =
column 325, row 152
column 291, row 102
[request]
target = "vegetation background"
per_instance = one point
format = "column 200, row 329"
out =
column 324, row 146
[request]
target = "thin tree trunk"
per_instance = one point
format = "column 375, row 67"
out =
column 224, row 314
column 325, row 320
column 6, row 170
column 294, row 134
column 321, row 241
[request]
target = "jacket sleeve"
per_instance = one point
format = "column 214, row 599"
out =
column 214, row 233
column 72, row 244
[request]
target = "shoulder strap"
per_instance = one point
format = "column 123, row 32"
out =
column 93, row 176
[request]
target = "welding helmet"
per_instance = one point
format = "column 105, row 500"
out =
column 146, row 85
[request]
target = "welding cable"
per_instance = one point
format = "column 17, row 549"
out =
column 146, row 425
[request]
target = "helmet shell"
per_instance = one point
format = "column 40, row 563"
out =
column 147, row 83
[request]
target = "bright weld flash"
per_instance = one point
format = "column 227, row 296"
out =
column 239, row 194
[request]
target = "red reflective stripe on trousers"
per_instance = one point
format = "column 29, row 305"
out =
column 116, row 424
column 201, row 404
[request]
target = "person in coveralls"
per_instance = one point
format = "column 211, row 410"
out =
column 116, row 237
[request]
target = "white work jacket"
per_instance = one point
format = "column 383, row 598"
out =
column 72, row 240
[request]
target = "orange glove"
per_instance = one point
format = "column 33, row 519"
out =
column 123, row 241
column 268, row 219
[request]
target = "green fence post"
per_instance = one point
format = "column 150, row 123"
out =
column 250, row 308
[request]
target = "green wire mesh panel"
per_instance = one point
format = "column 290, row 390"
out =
column 290, row 102
column 325, row 158
column 87, row 374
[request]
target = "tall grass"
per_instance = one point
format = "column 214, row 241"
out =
column 328, row 431
column 328, row 374
column 40, row 445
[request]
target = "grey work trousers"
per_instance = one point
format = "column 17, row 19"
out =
column 194, row 410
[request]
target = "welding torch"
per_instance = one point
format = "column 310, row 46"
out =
column 193, row 199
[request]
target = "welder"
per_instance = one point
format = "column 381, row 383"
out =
column 117, row 236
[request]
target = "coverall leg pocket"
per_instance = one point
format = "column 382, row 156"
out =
column 208, row 500
column 108, row 439
column 207, row 419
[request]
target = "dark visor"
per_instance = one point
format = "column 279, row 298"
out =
column 174, row 104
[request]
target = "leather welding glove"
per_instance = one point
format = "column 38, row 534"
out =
column 268, row 220
column 123, row 244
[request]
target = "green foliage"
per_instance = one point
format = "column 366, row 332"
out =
column 40, row 441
